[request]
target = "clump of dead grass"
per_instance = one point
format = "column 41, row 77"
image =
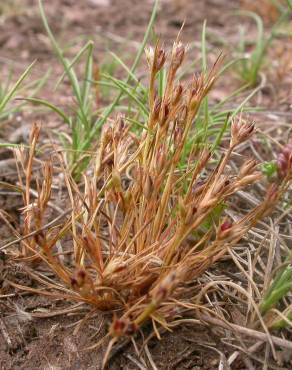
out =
column 142, row 225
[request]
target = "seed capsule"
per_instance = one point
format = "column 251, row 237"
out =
column 121, row 327
column 159, row 61
column 178, row 53
column 177, row 94
column 226, row 226
column 225, row 229
column 164, row 112
column 241, row 130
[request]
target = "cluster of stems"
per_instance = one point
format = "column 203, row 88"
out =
column 138, row 222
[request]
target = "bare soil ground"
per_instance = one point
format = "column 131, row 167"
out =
column 36, row 332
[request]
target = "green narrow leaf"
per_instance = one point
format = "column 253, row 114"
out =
column 110, row 109
column 51, row 106
column 14, row 88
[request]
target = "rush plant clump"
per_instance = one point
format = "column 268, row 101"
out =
column 143, row 227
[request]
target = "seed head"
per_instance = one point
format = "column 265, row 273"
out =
column 225, row 229
column 177, row 56
column 122, row 327
column 120, row 124
column 82, row 282
column 78, row 278
column 226, row 226
column 155, row 58
column 159, row 59
column 248, row 168
column 106, row 134
column 241, row 130
column 34, row 134
column 119, row 127
column 177, row 94
column 149, row 51
column 164, row 112
column 183, row 113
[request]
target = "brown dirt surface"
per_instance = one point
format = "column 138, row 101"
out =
column 34, row 334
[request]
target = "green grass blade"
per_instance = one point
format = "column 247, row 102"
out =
column 73, row 62
column 51, row 106
column 110, row 109
column 14, row 88
column 127, row 91
column 88, row 74
column 129, row 72
column 59, row 52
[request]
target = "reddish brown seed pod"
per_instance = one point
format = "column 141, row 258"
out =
column 81, row 274
column 74, row 283
column 226, row 226
column 178, row 53
column 241, row 130
column 164, row 112
column 78, row 279
column 224, row 229
column 159, row 61
column 121, row 327
column 118, row 327
column 177, row 94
